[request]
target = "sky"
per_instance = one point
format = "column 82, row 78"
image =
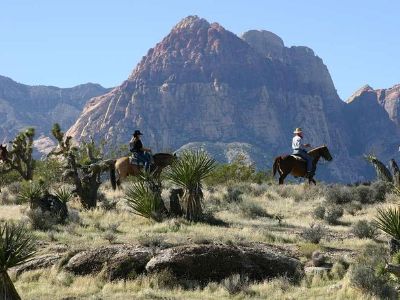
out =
column 70, row 42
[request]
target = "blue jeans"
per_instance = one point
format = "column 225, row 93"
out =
column 304, row 155
column 144, row 158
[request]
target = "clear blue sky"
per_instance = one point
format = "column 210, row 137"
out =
column 68, row 42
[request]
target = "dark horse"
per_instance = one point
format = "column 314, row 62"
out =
column 287, row 164
column 123, row 168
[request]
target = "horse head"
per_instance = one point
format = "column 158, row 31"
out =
column 325, row 153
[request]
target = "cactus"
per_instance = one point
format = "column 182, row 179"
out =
column 83, row 164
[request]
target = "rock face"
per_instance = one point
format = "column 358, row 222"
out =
column 24, row 106
column 215, row 262
column 203, row 84
column 388, row 98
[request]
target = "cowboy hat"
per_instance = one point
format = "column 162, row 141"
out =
column 298, row 130
column 137, row 132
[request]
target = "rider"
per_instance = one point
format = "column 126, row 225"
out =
column 299, row 149
column 141, row 153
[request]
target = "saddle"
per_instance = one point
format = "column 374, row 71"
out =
column 299, row 158
column 134, row 160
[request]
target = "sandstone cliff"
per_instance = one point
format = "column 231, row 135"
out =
column 204, row 84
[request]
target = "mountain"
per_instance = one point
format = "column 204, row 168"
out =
column 388, row 98
column 40, row 106
column 202, row 85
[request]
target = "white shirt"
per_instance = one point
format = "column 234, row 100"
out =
column 297, row 142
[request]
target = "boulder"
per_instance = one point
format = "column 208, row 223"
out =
column 38, row 262
column 209, row 262
column 119, row 261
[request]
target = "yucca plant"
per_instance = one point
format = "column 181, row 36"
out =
column 144, row 201
column 16, row 246
column 64, row 194
column 188, row 172
column 30, row 192
column 388, row 220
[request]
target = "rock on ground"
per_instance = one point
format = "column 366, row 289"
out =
column 119, row 261
column 37, row 262
column 215, row 262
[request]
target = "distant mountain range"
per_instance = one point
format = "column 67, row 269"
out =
column 204, row 87
column 40, row 106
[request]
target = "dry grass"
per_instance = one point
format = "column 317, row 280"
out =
column 294, row 204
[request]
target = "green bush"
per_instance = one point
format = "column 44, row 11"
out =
column 49, row 171
column 233, row 194
column 365, row 278
column 237, row 171
column 41, row 220
column 314, row 233
column 319, row 212
column 364, row 230
column 333, row 213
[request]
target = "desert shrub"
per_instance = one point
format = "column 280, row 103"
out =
column 235, row 283
column 153, row 241
column 252, row 210
column 339, row 194
column 41, row 220
column 5, row 197
column 9, row 178
column 164, row 279
column 364, row 230
column 110, row 236
column 237, row 171
column 319, row 212
column 379, row 190
column 339, row 269
column 353, row 207
column 233, row 194
column 258, row 189
column 314, row 233
column 333, row 213
column 364, row 194
column 108, row 204
column 365, row 279
column 14, row 187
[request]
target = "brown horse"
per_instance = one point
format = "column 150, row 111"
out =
column 3, row 153
column 124, row 169
column 288, row 164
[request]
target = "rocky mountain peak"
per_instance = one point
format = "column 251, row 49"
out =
column 191, row 23
column 265, row 42
column 359, row 92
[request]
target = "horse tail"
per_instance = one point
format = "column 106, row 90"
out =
column 276, row 164
column 112, row 177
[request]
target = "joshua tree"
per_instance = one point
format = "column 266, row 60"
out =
column 83, row 165
column 16, row 246
column 20, row 157
column 188, row 172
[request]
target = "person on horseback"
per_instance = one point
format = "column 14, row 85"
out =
column 299, row 149
column 140, row 153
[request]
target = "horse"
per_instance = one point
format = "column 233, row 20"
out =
column 3, row 153
column 124, row 168
column 287, row 164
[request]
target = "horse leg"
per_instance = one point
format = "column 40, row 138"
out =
column 311, row 180
column 282, row 177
